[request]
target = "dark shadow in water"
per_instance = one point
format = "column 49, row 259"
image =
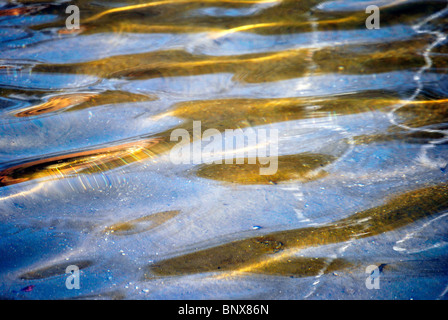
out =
column 54, row 270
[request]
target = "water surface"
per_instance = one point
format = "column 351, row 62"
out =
column 86, row 177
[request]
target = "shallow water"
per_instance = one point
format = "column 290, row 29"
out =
column 86, row 176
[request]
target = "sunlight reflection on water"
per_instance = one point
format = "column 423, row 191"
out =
column 86, row 178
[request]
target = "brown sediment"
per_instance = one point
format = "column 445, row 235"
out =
column 240, row 113
column 372, row 58
column 303, row 266
column 420, row 113
column 277, row 17
column 142, row 224
column 269, row 252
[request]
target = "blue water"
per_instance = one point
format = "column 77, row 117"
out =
column 77, row 187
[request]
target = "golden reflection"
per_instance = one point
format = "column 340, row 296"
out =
column 141, row 28
column 253, row 68
column 85, row 162
column 308, row 24
column 270, row 253
column 420, row 113
column 173, row 2
column 79, row 100
column 301, row 266
column 56, row 103
column 218, row 114
column 287, row 263
column 240, row 113
column 269, row 16
column 371, row 58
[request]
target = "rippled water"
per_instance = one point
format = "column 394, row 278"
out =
column 86, row 177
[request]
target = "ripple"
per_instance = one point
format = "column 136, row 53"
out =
column 86, row 122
